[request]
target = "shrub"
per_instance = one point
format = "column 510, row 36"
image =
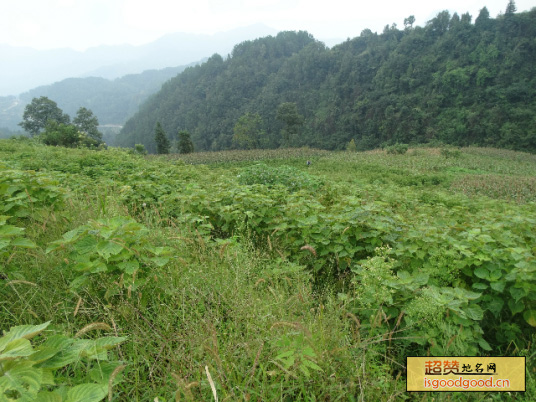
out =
column 66, row 135
column 451, row 153
column 397, row 149
column 290, row 177
column 140, row 149
column 117, row 246
column 351, row 147
column 24, row 193
column 413, row 304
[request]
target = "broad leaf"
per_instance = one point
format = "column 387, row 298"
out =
column 530, row 317
column 61, row 359
column 9, row 231
column 23, row 242
column 484, row 345
column 498, row 286
column 22, row 376
column 86, row 245
column 495, row 306
column 87, row 393
column 18, row 348
column 108, row 248
column 311, row 364
column 129, row 267
column 481, row 272
column 516, row 306
column 109, row 342
column 45, row 396
column 22, row 331
column 474, row 312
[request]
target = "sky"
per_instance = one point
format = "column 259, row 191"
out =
column 80, row 24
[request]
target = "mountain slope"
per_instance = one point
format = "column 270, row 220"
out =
column 113, row 102
column 452, row 81
column 209, row 98
column 24, row 68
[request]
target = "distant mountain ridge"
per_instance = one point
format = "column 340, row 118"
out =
column 112, row 81
column 112, row 101
column 22, row 68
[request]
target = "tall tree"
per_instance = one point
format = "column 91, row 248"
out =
column 511, row 8
column 88, row 123
column 408, row 22
column 483, row 19
column 247, row 131
column 288, row 114
column 161, row 139
column 38, row 112
column 185, row 145
column 440, row 24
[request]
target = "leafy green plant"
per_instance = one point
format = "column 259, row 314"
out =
column 295, row 354
column 30, row 372
column 23, row 193
column 291, row 178
column 118, row 246
column 140, row 149
column 11, row 238
column 494, row 260
column 457, row 276
column 400, row 301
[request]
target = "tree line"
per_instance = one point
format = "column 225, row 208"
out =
column 451, row 81
column 43, row 118
column 183, row 144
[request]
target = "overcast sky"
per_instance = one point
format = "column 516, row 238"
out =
column 79, row 24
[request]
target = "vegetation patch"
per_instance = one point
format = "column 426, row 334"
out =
column 512, row 188
column 264, row 279
column 291, row 178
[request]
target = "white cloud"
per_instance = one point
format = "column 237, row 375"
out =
column 83, row 23
column 27, row 28
column 65, row 3
column 164, row 15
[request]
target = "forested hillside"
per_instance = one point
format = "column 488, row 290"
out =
column 454, row 80
column 112, row 101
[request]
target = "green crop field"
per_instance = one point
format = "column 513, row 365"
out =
column 251, row 276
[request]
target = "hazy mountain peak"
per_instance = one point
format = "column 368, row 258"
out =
column 23, row 68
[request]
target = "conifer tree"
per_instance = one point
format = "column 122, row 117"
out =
column 185, row 145
column 162, row 142
column 351, row 147
column 483, row 19
column 511, row 8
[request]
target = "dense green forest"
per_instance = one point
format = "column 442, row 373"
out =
column 455, row 81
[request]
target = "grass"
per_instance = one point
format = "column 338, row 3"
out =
column 254, row 155
column 236, row 306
